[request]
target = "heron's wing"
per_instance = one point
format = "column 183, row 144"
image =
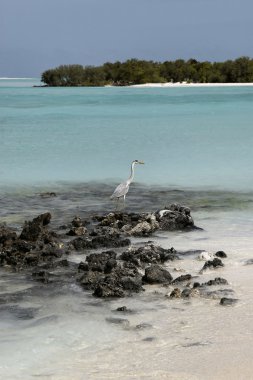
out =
column 120, row 190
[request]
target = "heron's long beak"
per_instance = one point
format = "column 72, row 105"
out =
column 141, row 162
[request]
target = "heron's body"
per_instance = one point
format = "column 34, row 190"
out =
column 122, row 189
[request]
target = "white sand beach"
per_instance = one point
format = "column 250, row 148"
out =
column 185, row 84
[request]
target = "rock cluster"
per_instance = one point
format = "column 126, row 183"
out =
column 34, row 245
column 119, row 270
column 170, row 218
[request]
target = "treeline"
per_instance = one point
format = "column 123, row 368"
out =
column 134, row 71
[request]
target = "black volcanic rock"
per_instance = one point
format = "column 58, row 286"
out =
column 155, row 274
column 34, row 229
column 175, row 217
column 215, row 263
column 149, row 254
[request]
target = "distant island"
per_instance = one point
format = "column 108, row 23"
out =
column 137, row 72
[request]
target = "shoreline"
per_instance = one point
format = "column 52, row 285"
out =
column 184, row 84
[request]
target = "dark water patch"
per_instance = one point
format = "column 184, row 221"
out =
column 118, row 321
column 143, row 325
column 17, row 312
column 225, row 301
column 44, row 321
column 196, row 344
column 249, row 262
column 149, row 339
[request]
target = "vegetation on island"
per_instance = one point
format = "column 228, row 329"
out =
column 134, row 71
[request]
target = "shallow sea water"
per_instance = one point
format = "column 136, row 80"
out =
column 197, row 145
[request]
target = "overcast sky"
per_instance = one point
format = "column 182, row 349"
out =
column 36, row 35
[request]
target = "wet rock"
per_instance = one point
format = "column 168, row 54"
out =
column 23, row 246
column 175, row 217
column 216, row 281
column 7, row 237
column 150, row 253
column 190, row 292
column 99, row 261
column 176, row 293
column 228, row 301
column 108, row 241
column 215, row 263
column 110, row 265
column 49, row 252
column 77, row 231
column 41, row 276
column 63, row 263
column 32, row 230
column 221, row 254
column 130, row 223
column 89, row 279
column 31, row 259
column 182, row 278
column 219, row 293
column 108, row 288
column 132, row 284
column 78, row 227
column 117, row 283
column 48, row 194
column 122, row 308
column 77, row 222
column 143, row 228
column 83, row 267
column 155, row 274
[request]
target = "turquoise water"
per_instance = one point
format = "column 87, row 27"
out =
column 188, row 137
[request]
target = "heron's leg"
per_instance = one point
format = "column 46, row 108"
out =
column 124, row 201
column 117, row 204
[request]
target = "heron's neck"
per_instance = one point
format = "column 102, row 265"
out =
column 130, row 179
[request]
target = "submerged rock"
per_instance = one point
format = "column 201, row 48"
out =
column 41, row 276
column 216, row 281
column 228, row 301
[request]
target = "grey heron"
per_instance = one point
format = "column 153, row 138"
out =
column 122, row 189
